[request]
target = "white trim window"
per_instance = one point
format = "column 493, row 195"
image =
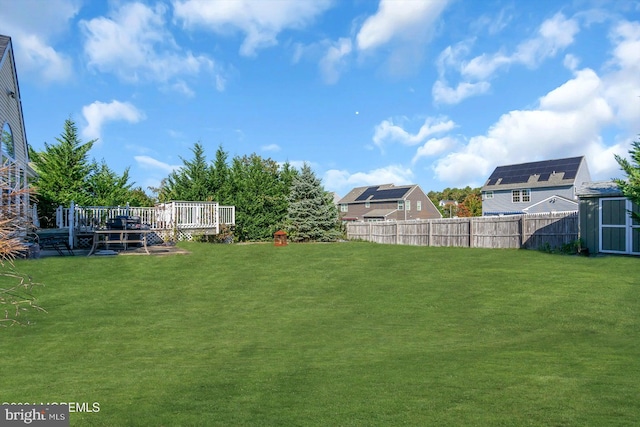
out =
column 400, row 205
column 487, row 195
column 521, row 196
column 407, row 205
column 367, row 205
column 344, row 207
column 419, row 205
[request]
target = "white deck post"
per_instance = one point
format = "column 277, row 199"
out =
column 72, row 215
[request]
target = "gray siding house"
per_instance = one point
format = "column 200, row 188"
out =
column 537, row 187
column 387, row 202
column 13, row 145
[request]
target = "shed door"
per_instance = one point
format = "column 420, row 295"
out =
column 618, row 232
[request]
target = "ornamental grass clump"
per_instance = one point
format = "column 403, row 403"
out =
column 16, row 297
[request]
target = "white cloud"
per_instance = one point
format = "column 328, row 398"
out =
column 405, row 20
column 149, row 163
column 270, row 147
column 335, row 60
column 260, row 21
column 622, row 84
column 34, row 34
column 134, row 44
column 342, row 181
column 433, row 147
column 389, row 132
column 99, row 113
column 443, row 93
column 554, row 35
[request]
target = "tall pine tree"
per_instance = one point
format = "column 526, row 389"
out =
column 312, row 215
column 190, row 182
column 630, row 187
column 62, row 172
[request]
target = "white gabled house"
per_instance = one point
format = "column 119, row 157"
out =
column 14, row 154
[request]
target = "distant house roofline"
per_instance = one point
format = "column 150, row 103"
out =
column 378, row 193
column 540, row 174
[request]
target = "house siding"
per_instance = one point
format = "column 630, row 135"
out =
column 502, row 201
column 10, row 109
column 357, row 210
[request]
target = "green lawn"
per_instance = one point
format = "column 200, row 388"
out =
column 332, row 334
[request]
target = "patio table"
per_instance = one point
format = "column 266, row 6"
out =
column 122, row 237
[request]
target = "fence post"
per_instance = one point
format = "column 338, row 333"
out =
column 72, row 217
column 470, row 232
column 522, row 231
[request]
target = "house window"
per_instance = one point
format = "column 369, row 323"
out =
column 8, row 149
column 487, row 195
column 408, row 205
column 367, row 205
column 400, row 205
column 344, row 207
column 518, row 196
column 419, row 205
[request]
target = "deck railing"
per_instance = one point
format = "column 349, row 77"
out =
column 172, row 215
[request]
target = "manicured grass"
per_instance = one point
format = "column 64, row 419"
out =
column 332, row 334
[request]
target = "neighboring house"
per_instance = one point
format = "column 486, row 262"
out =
column 605, row 223
column 387, row 202
column 537, row 187
column 449, row 205
column 446, row 203
column 13, row 146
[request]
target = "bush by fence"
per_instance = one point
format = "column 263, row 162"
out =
column 531, row 231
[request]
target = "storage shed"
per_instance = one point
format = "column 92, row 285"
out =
column 606, row 225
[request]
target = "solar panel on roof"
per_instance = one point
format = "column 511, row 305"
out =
column 515, row 174
column 392, row 193
column 367, row 193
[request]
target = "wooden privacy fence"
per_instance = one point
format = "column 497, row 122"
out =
column 530, row 231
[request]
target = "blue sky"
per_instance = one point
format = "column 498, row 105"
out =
column 436, row 93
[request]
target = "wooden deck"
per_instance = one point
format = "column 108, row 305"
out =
column 173, row 221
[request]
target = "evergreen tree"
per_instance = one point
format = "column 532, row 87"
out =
column 631, row 186
column 259, row 197
column 312, row 216
column 62, row 172
column 190, row 182
column 138, row 197
column 220, row 178
column 107, row 188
